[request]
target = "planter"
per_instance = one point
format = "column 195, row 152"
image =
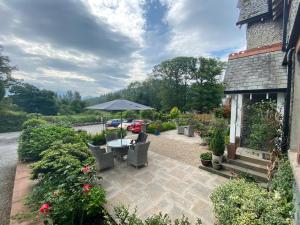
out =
column 94, row 147
column 218, row 158
column 206, row 162
column 217, row 166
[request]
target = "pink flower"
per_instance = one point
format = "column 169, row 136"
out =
column 86, row 169
column 86, row 188
column 44, row 208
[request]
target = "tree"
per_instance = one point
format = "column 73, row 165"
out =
column 206, row 90
column 175, row 74
column 6, row 79
column 33, row 100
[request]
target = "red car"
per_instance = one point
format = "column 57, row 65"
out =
column 136, row 126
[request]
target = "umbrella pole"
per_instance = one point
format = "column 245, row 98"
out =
column 121, row 128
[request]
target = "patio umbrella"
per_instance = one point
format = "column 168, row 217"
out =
column 120, row 105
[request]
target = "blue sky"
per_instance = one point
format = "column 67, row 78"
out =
column 98, row 46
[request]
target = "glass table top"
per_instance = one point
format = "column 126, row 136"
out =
column 118, row 143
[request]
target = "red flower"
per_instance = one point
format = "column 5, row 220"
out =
column 44, row 208
column 86, row 188
column 86, row 169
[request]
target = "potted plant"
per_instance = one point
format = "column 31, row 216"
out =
column 216, row 164
column 96, row 141
column 217, row 144
column 206, row 158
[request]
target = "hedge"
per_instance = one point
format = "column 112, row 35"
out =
column 12, row 121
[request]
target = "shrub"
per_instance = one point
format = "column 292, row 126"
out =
column 241, row 203
column 206, row 156
column 98, row 139
column 33, row 141
column 33, row 123
column 217, row 142
column 124, row 217
column 174, row 113
column 159, row 126
column 11, row 121
column 165, row 126
column 283, row 180
column 61, row 159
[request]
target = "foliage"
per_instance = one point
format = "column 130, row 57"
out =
column 33, row 141
column 283, row 180
column 174, row 113
column 59, row 158
column 206, row 156
column 129, row 114
column 148, row 114
column 11, row 121
column 33, row 123
column 265, row 125
column 6, row 69
column 65, row 182
column 117, row 131
column 73, row 119
column 217, row 142
column 70, row 103
column 241, row 203
column 125, row 217
column 160, row 126
column 33, row 100
column 98, row 139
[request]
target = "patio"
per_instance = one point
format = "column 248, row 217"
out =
column 172, row 183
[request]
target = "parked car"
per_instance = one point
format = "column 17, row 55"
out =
column 136, row 127
column 113, row 123
column 126, row 123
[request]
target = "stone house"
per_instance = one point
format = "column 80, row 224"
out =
column 256, row 73
column 268, row 68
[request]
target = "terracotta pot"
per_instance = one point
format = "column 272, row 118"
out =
column 206, row 162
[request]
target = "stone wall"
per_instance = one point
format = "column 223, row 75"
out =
column 292, row 16
column 252, row 8
column 264, row 33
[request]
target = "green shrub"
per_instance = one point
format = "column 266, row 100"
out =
column 242, row 203
column 33, row 141
column 61, row 159
column 159, row 126
column 98, row 139
column 117, row 131
column 206, row 156
column 174, row 113
column 165, row 126
column 283, row 180
column 11, row 121
column 33, row 123
column 217, row 142
column 125, row 217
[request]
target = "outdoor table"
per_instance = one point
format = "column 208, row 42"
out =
column 120, row 146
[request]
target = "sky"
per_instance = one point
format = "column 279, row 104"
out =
column 99, row 46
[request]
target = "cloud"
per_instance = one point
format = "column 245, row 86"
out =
column 200, row 27
column 98, row 46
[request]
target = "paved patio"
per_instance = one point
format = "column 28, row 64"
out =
column 166, row 185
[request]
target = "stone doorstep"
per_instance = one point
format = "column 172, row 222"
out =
column 22, row 187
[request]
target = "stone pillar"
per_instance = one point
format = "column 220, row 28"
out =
column 231, row 148
column 280, row 103
column 239, row 111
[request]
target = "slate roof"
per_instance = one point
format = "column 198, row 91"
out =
column 252, row 8
column 252, row 72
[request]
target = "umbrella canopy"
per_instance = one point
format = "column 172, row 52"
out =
column 119, row 105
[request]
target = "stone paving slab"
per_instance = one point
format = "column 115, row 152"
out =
column 166, row 185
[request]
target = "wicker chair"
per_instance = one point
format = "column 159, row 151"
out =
column 138, row 154
column 104, row 160
column 142, row 138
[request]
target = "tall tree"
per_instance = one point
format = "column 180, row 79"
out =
column 175, row 74
column 6, row 79
column 33, row 100
column 206, row 90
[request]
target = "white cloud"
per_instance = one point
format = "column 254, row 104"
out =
column 64, row 75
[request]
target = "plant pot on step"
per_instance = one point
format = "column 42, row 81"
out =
column 216, row 165
column 206, row 158
column 217, row 157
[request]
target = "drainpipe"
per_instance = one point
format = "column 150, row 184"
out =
column 285, row 23
column 286, row 118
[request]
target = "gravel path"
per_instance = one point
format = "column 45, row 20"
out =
column 8, row 160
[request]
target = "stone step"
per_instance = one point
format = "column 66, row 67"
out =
column 228, row 174
column 258, row 176
column 254, row 160
column 249, row 165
